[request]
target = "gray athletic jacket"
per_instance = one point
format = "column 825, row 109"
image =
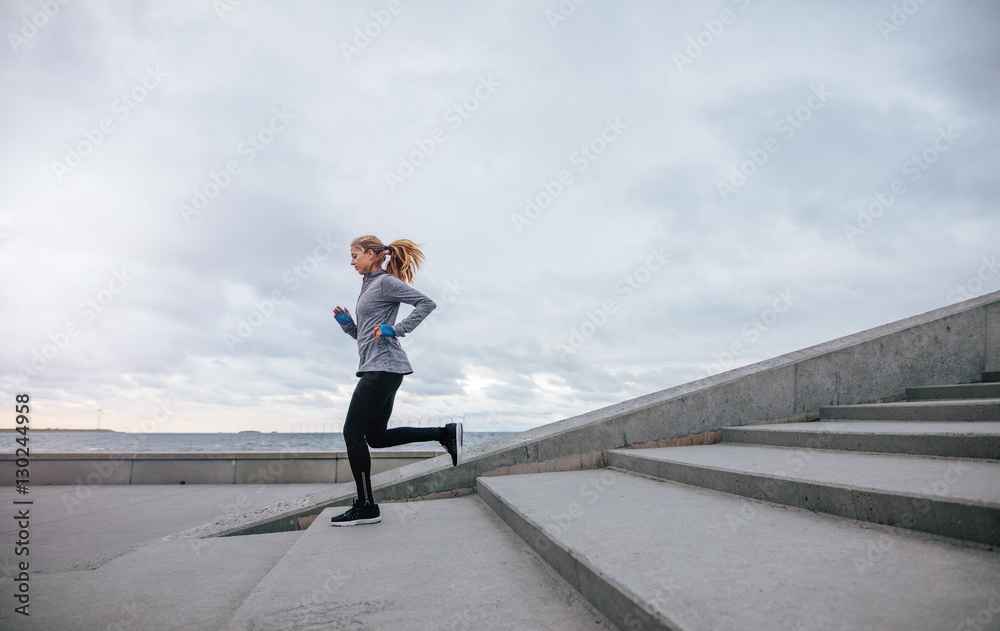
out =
column 381, row 293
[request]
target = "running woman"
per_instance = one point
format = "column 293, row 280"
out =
column 383, row 364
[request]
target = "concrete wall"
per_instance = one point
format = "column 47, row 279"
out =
column 954, row 344
column 325, row 467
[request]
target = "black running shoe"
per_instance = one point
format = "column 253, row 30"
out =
column 453, row 441
column 358, row 514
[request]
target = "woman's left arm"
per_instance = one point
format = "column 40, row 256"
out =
column 397, row 290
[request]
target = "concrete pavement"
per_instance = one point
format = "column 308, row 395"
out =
column 70, row 524
column 95, row 561
column 436, row 564
column 448, row 564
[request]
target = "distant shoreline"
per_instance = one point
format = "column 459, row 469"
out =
column 245, row 431
column 56, row 429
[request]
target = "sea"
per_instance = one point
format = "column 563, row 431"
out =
column 98, row 441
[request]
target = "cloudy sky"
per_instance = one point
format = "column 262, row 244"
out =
column 613, row 197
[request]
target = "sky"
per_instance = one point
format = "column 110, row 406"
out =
column 613, row 198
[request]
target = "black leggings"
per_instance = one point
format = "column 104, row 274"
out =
column 367, row 418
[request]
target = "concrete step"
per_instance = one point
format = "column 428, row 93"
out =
column 960, row 391
column 951, row 497
column 436, row 564
column 164, row 585
column 972, row 411
column 992, row 376
column 661, row 555
column 954, row 439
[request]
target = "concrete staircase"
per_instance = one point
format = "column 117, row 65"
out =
column 435, row 564
column 879, row 516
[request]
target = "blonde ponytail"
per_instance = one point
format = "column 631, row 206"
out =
column 404, row 255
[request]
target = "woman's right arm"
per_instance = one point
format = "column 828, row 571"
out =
column 347, row 325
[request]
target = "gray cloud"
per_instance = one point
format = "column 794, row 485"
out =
column 512, row 295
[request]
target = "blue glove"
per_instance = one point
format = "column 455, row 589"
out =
column 387, row 330
column 343, row 318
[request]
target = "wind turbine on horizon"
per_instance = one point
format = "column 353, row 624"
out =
column 100, row 411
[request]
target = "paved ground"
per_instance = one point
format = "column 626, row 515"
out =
column 438, row 564
column 70, row 524
column 449, row 564
column 161, row 586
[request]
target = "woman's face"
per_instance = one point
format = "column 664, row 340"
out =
column 361, row 260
